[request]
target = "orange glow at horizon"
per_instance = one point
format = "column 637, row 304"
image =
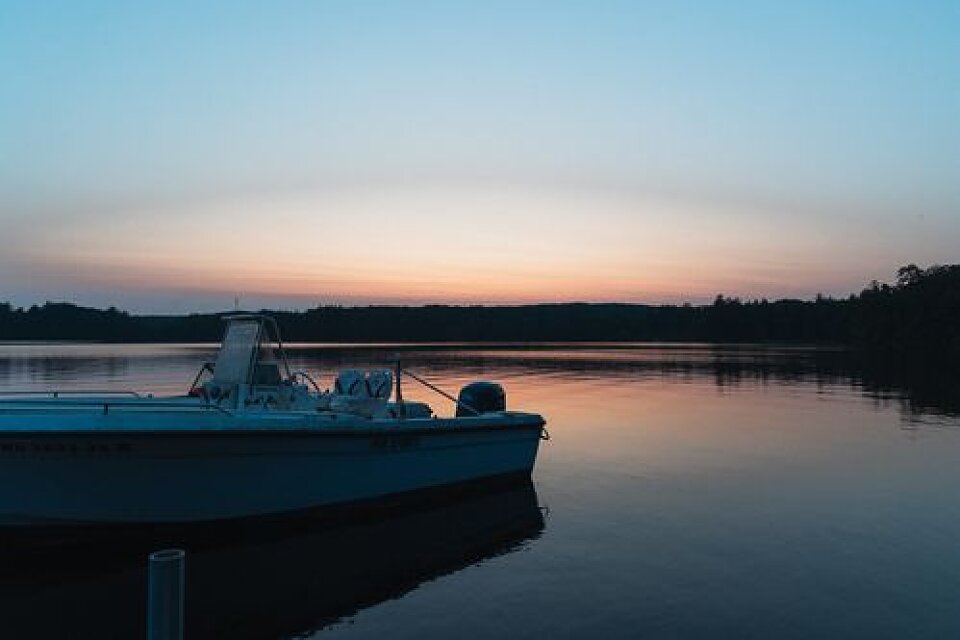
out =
column 441, row 245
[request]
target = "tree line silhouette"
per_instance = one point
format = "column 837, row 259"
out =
column 918, row 314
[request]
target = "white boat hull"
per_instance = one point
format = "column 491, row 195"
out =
column 108, row 474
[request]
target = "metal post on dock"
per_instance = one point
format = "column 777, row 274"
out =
column 165, row 584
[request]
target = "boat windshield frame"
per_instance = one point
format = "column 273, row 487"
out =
column 267, row 336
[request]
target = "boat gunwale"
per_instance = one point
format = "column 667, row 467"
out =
column 394, row 427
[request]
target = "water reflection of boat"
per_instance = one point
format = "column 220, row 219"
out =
column 270, row 582
column 255, row 439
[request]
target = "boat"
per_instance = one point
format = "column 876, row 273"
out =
column 251, row 438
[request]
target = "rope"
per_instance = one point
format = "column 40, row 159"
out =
column 441, row 392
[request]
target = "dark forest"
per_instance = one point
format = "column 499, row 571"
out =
column 916, row 315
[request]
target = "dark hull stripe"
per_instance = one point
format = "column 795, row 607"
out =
column 305, row 432
column 357, row 510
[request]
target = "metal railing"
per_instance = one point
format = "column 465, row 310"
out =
column 60, row 393
column 106, row 406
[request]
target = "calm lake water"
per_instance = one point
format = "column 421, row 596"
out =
column 687, row 492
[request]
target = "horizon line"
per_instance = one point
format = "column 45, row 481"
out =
column 424, row 305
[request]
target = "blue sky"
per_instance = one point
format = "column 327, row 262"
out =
column 169, row 157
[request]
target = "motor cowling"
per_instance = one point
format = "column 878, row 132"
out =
column 485, row 397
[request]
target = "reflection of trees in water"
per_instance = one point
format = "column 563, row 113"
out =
column 47, row 369
column 921, row 390
column 272, row 580
column 139, row 370
column 918, row 387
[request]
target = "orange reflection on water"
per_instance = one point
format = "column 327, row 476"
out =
column 642, row 424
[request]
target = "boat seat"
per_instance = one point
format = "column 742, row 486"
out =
column 380, row 384
column 351, row 382
column 377, row 385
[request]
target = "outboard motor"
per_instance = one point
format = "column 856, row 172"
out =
column 485, row 397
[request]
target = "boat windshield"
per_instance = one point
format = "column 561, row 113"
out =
column 238, row 352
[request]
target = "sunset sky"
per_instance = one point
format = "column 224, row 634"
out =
column 169, row 157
